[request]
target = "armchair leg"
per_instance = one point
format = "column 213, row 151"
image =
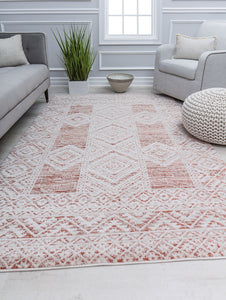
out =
column 47, row 96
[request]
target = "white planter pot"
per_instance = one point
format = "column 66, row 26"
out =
column 78, row 87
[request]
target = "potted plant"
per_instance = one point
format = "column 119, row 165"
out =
column 78, row 57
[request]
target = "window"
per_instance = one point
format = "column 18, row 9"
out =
column 129, row 17
column 128, row 21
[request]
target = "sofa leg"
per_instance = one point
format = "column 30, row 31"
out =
column 47, row 96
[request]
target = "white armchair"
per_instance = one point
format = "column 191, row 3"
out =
column 179, row 78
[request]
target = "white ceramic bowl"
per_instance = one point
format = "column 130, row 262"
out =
column 120, row 81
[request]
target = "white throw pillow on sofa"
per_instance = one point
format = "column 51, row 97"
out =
column 11, row 52
column 192, row 47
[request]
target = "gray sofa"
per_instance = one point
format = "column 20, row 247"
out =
column 181, row 77
column 21, row 86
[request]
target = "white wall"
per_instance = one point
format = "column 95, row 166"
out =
column 175, row 15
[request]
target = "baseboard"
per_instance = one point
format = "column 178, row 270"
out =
column 58, row 81
column 102, row 81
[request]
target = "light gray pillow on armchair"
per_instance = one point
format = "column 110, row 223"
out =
column 192, row 47
column 11, row 52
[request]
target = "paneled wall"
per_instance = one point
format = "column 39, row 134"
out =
column 175, row 16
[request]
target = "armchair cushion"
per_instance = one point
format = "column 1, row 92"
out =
column 192, row 47
column 180, row 67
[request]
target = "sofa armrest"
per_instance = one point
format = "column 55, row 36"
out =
column 34, row 45
column 211, row 70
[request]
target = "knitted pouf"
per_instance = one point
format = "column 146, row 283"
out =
column 204, row 115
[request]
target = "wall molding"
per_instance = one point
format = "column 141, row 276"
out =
column 52, row 11
column 100, row 81
column 173, row 22
column 195, row 10
column 104, row 68
column 3, row 23
column 58, row 81
column 56, row 69
column 37, row 22
column 47, row 22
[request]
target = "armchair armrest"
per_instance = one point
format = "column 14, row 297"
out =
column 34, row 45
column 211, row 70
column 165, row 51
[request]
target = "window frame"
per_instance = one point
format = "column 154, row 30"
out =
column 106, row 39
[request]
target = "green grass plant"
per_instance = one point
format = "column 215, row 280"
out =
column 78, row 55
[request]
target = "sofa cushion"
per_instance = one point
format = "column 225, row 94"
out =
column 11, row 52
column 179, row 67
column 18, row 82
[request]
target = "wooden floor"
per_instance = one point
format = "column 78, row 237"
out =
column 190, row 280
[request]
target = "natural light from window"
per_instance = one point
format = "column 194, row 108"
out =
column 130, row 17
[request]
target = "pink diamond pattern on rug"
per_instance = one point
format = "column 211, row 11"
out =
column 111, row 111
column 77, row 119
column 65, row 157
column 108, row 179
column 113, row 134
column 17, row 170
column 113, row 167
column 161, row 154
column 146, row 117
column 28, row 150
column 127, row 147
column 98, row 149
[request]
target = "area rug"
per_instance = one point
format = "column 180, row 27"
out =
column 110, row 179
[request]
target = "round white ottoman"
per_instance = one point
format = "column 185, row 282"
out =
column 204, row 115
